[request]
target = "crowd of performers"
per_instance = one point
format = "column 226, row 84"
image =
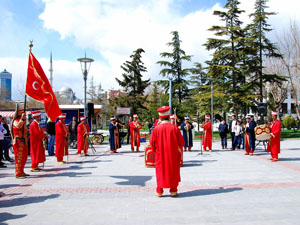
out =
column 167, row 140
column 35, row 147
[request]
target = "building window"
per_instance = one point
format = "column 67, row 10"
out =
column 284, row 108
column 293, row 110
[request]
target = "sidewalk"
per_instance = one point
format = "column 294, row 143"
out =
column 219, row 187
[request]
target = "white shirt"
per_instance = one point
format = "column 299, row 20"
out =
column 237, row 130
column 233, row 125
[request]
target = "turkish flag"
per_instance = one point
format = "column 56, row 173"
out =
column 39, row 88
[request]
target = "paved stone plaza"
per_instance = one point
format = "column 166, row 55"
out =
column 219, row 187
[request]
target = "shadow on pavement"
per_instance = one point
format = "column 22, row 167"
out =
column 289, row 159
column 133, row 180
column 192, row 163
column 3, row 186
column 6, row 175
column 66, row 174
column 207, row 192
column 91, row 161
column 74, row 167
column 26, row 200
column 8, row 216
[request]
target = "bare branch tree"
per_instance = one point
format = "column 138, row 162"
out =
column 289, row 47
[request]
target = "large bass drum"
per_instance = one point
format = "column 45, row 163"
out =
column 262, row 132
column 149, row 156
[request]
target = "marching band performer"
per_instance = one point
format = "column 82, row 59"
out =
column 135, row 127
column 83, row 132
column 166, row 141
column 19, row 135
column 251, row 132
column 61, row 139
column 274, row 141
column 207, row 134
column 173, row 120
column 113, row 135
column 186, row 128
column 37, row 151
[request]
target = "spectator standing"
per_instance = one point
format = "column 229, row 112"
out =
column 128, row 128
column 237, row 138
column 231, row 129
column 2, row 133
column 7, row 143
column 223, row 130
column 151, row 125
column 51, row 132
column 73, row 129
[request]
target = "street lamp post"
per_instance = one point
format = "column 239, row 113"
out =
column 85, row 67
column 170, row 95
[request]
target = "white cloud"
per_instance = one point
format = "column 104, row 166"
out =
column 115, row 28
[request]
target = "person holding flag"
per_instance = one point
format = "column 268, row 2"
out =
column 83, row 132
column 61, row 139
column 207, row 134
column 19, row 142
column 274, row 141
column 37, row 151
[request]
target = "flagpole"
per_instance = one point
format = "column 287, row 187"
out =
column 25, row 97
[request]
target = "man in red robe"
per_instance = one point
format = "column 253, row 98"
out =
column 19, row 135
column 166, row 141
column 207, row 134
column 274, row 141
column 135, row 127
column 37, row 135
column 61, row 139
column 83, row 132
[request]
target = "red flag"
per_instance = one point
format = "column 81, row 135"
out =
column 39, row 88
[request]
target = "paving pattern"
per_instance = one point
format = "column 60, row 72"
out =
column 219, row 187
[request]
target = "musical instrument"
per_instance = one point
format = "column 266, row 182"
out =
column 262, row 132
column 149, row 156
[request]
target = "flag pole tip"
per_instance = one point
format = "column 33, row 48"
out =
column 30, row 45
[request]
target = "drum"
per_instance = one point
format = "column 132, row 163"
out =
column 149, row 156
column 262, row 132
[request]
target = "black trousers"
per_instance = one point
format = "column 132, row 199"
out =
column 128, row 135
column 1, row 150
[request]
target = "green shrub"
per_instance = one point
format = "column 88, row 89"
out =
column 288, row 122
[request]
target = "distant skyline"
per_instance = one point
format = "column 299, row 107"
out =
column 109, row 31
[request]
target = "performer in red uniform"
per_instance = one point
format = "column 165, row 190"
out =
column 83, row 132
column 37, row 135
column 247, row 136
column 135, row 127
column 274, row 141
column 166, row 141
column 207, row 134
column 61, row 139
column 19, row 135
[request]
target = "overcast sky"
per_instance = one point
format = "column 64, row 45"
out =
column 109, row 31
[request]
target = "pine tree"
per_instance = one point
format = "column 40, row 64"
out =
column 174, row 69
column 227, row 70
column 132, row 82
column 264, row 47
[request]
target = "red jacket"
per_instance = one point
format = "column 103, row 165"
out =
column 135, row 133
column 274, row 142
column 61, row 133
column 37, row 151
column 166, row 141
column 207, row 136
column 83, row 131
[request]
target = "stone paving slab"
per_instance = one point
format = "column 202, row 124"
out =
column 219, row 187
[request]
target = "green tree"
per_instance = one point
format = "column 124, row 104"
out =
column 228, row 69
column 173, row 69
column 264, row 47
column 132, row 82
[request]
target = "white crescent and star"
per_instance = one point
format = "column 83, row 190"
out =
column 33, row 85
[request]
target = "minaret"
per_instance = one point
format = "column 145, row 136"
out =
column 51, row 71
